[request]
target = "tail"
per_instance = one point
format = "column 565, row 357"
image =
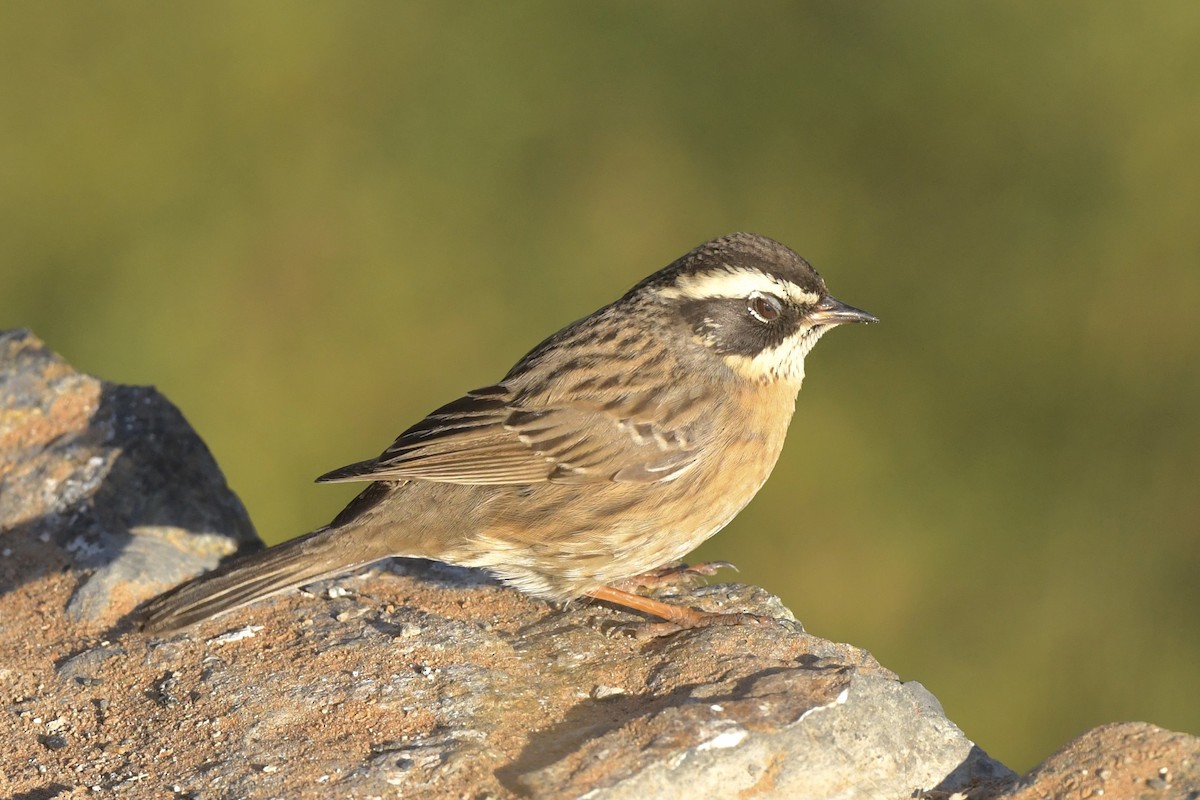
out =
column 320, row 554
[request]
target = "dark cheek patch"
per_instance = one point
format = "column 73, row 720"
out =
column 732, row 330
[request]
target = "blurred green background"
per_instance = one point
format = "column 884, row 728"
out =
column 309, row 224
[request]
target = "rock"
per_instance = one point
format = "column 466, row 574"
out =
column 1121, row 761
column 414, row 678
column 106, row 478
column 429, row 681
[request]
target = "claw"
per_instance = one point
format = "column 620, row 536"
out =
column 710, row 567
column 674, row 575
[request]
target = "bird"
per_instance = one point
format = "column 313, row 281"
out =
column 609, row 451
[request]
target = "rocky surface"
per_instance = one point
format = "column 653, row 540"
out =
column 106, row 479
column 428, row 681
column 1121, row 760
column 416, row 679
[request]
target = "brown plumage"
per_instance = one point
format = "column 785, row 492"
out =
column 614, row 447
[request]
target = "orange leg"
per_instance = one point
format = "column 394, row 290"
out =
column 677, row 617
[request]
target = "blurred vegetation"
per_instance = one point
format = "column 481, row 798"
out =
column 309, row 224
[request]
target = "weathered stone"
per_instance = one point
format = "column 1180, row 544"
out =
column 1120, row 761
column 435, row 682
column 109, row 479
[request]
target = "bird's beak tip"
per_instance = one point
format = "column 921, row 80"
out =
column 834, row 312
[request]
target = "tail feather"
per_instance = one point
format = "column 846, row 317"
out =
column 304, row 560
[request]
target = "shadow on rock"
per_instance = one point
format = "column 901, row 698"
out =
column 103, row 479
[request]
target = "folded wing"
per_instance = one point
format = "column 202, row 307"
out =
column 489, row 437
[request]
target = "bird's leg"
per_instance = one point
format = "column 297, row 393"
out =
column 672, row 575
column 676, row 617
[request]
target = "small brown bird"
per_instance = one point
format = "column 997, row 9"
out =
column 613, row 448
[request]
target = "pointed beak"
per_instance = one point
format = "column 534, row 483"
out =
column 834, row 312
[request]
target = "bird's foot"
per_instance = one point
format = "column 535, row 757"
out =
column 675, row 574
column 674, row 618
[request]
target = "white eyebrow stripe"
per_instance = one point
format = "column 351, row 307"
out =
column 735, row 282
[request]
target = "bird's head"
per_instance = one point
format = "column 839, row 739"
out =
column 751, row 301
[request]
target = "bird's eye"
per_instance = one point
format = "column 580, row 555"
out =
column 764, row 307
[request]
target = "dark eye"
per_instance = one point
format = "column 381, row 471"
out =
column 765, row 307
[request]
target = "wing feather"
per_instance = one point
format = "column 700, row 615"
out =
column 490, row 436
